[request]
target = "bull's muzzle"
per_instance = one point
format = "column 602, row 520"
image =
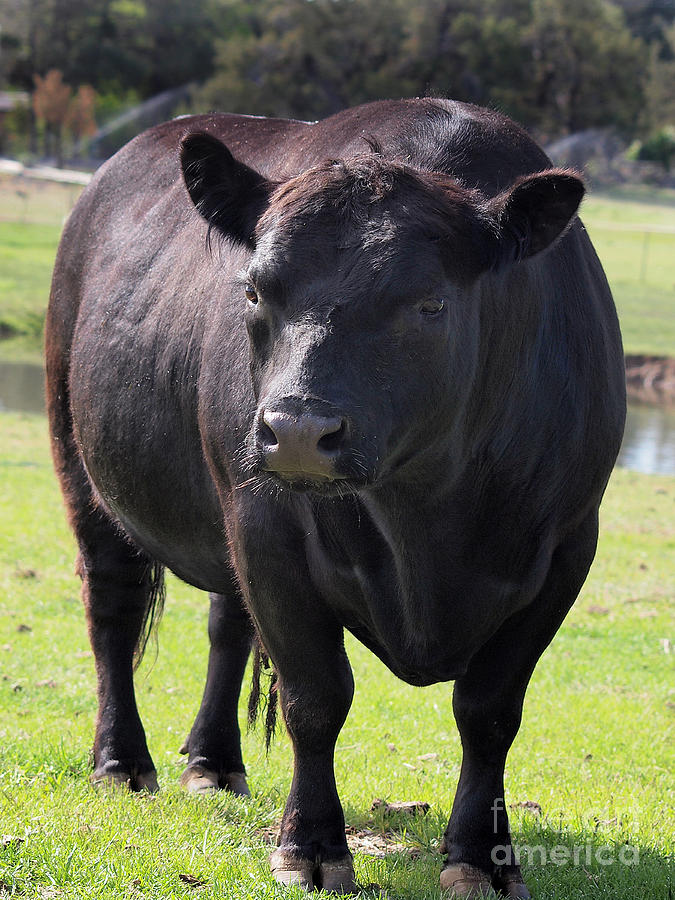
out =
column 303, row 445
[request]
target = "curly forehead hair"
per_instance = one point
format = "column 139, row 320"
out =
column 353, row 188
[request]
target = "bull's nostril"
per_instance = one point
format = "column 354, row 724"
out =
column 331, row 440
column 266, row 435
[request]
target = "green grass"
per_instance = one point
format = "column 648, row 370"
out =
column 26, row 262
column 32, row 214
column 596, row 748
column 638, row 263
column 639, row 268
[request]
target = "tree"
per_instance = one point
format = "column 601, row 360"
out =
column 51, row 98
column 557, row 66
column 588, row 70
column 307, row 59
column 80, row 120
column 147, row 45
column 659, row 108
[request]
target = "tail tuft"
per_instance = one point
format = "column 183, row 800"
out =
column 262, row 666
column 153, row 610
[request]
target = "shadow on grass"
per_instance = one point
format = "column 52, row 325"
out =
column 400, row 853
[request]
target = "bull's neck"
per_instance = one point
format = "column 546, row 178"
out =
column 414, row 519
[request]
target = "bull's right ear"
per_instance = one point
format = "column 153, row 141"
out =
column 534, row 212
column 227, row 193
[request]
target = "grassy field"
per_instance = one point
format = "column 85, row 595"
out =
column 638, row 259
column 638, row 262
column 31, row 217
column 596, row 749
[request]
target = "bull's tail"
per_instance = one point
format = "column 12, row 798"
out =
column 153, row 611
column 262, row 666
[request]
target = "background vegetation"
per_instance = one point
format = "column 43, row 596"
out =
column 556, row 66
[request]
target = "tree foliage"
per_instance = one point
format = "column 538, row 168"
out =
column 556, row 65
column 51, row 98
column 147, row 45
column 55, row 109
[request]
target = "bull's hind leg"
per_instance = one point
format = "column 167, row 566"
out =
column 214, row 744
column 119, row 587
column 487, row 703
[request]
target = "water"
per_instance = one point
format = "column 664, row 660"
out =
column 648, row 445
column 22, row 387
column 649, row 440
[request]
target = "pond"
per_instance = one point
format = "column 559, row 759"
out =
column 648, row 446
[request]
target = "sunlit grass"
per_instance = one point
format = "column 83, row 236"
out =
column 595, row 751
column 638, row 260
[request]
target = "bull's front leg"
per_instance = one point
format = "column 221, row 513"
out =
column 315, row 693
column 214, row 744
column 315, row 684
column 488, row 703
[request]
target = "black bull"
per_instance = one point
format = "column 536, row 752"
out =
column 386, row 398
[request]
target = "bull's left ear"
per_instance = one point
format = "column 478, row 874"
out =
column 227, row 193
column 534, row 212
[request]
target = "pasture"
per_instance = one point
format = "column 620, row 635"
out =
column 590, row 772
column 590, row 776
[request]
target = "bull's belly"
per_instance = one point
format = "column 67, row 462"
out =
column 196, row 555
column 187, row 538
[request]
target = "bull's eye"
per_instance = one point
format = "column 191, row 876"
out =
column 432, row 306
column 250, row 293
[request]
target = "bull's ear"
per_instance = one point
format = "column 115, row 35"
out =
column 228, row 194
column 534, row 212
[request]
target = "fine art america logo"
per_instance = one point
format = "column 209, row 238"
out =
column 561, row 855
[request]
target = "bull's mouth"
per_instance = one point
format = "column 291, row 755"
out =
column 262, row 479
column 314, row 483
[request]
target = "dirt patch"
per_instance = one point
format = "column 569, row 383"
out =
column 369, row 841
column 650, row 379
column 379, row 844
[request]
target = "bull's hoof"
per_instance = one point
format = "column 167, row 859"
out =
column 512, row 885
column 336, row 876
column 236, row 783
column 147, row 781
column 288, row 869
column 465, row 881
column 198, row 780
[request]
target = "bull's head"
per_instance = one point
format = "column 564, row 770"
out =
column 360, row 301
